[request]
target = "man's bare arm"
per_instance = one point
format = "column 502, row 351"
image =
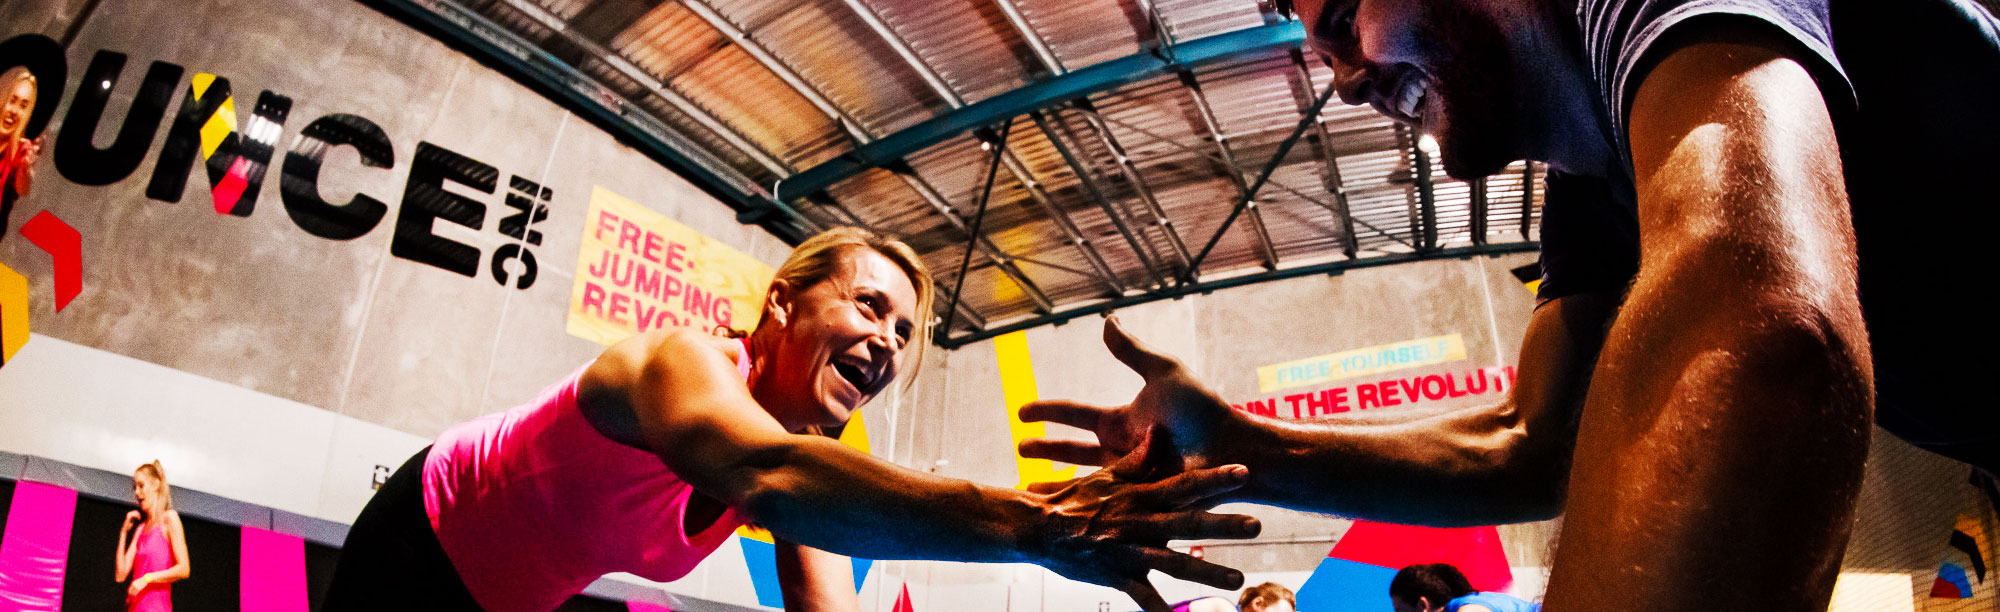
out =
column 1501, row 463
column 1724, row 436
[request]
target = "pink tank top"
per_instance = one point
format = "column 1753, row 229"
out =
column 533, row 504
column 153, row 554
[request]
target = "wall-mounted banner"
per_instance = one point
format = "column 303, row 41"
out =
column 1360, row 362
column 1383, row 394
column 639, row 270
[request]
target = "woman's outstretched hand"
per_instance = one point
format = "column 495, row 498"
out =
column 1112, row 526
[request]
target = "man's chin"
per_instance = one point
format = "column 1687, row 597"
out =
column 1468, row 163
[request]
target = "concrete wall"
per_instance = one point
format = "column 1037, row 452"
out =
column 268, row 365
column 263, row 363
column 956, row 415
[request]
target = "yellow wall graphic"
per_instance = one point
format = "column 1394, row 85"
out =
column 1017, row 385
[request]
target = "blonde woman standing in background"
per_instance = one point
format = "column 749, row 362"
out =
column 155, row 556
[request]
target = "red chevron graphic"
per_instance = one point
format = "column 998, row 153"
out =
column 66, row 246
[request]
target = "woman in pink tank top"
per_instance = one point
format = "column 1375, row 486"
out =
column 154, row 556
column 646, row 459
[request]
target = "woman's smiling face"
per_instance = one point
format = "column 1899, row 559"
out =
column 842, row 340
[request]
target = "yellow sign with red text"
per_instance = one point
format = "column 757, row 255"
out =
column 638, row 270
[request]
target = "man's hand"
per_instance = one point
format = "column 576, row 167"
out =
column 1172, row 398
column 1112, row 526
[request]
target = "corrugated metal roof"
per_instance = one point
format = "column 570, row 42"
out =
column 766, row 87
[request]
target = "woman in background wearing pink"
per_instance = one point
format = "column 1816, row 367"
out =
column 157, row 553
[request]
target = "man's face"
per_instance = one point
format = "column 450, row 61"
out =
column 1442, row 66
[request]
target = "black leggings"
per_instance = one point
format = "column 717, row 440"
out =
column 392, row 560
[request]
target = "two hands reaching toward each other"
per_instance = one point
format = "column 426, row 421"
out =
column 1113, row 525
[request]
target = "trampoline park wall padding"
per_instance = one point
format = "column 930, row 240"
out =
column 217, row 576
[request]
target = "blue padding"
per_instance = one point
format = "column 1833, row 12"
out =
column 762, row 558
column 861, row 572
column 1339, row 585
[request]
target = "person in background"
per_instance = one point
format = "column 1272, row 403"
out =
column 648, row 458
column 155, row 556
column 1435, row 587
column 17, row 154
column 1268, row 597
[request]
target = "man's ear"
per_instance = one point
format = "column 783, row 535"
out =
column 778, row 301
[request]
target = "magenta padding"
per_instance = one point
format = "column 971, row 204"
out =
column 640, row 606
column 274, row 572
column 35, row 547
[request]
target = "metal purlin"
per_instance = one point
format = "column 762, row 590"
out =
column 1040, row 47
column 1132, row 175
column 1284, row 148
column 861, row 134
column 1301, row 80
column 638, row 75
column 1014, row 166
column 1147, row 258
column 1163, row 34
column 1273, row 182
column 1265, row 249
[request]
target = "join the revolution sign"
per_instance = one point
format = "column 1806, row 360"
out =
column 639, row 270
column 1360, row 362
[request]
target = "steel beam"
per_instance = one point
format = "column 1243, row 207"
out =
column 1132, row 175
column 1179, row 291
column 1265, row 249
column 1071, row 85
column 1054, row 65
column 1478, row 210
column 783, row 71
column 978, row 218
column 862, row 135
column 1000, row 259
column 1250, row 194
column 1273, row 182
column 1064, row 223
column 1145, row 252
column 951, row 97
column 1322, row 142
column 478, row 37
column 1426, row 193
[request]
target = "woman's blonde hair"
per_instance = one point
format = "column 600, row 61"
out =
column 819, row 258
column 159, row 474
column 8, row 80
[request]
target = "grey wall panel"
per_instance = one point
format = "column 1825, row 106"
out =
column 343, row 325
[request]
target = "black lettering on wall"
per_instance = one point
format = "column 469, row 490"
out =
column 236, row 170
column 298, row 181
column 425, row 200
column 522, row 195
column 514, row 251
column 236, row 159
column 77, row 156
column 205, row 96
